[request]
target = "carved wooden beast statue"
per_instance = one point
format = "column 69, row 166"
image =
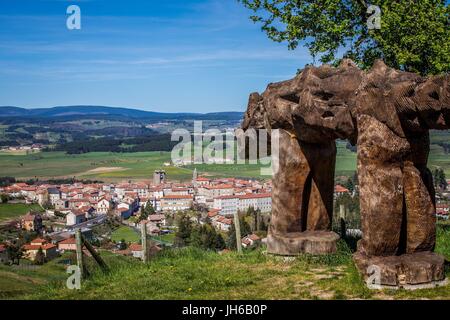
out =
column 388, row 114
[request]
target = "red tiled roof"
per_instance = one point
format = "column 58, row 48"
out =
column 68, row 241
column 177, row 197
column 29, row 217
column 255, row 196
column 31, row 247
column 221, row 186
column 36, row 247
column 156, row 217
column 39, row 240
column 213, row 213
column 340, row 189
column 253, row 237
column 135, row 247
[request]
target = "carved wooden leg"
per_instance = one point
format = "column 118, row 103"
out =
column 288, row 187
column 322, row 160
column 291, row 194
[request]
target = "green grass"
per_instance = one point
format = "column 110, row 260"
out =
column 125, row 233
column 170, row 237
column 10, row 211
column 438, row 159
column 26, row 279
column 345, row 160
column 141, row 165
column 58, row 164
column 195, row 274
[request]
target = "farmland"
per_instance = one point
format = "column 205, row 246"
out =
column 109, row 166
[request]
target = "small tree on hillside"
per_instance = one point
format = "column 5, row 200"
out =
column 440, row 181
column 183, row 235
column 40, row 258
column 4, row 198
column 15, row 253
column 146, row 211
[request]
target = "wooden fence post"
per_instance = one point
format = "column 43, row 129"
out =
column 237, row 227
column 95, row 255
column 342, row 221
column 144, row 242
column 79, row 245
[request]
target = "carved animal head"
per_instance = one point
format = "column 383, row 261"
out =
column 406, row 102
column 314, row 106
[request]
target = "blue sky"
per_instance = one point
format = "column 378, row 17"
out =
column 160, row 55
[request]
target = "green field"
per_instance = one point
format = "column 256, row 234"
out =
column 58, row 164
column 195, row 274
column 108, row 166
column 125, row 233
column 123, row 166
column 25, row 279
column 10, row 211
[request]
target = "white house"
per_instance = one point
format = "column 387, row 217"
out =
column 103, row 206
column 75, row 217
column 261, row 201
column 228, row 205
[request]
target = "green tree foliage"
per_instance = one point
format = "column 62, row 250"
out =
column 414, row 35
column 7, row 181
column 349, row 185
column 15, row 253
column 206, row 237
column 440, row 181
column 146, row 211
column 183, row 235
column 4, row 198
column 40, row 258
column 351, row 203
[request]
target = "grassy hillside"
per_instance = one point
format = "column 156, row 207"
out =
column 125, row 233
column 195, row 274
column 14, row 210
column 16, row 282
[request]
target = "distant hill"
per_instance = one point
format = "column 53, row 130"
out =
column 102, row 111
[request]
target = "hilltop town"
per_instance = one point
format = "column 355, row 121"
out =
column 156, row 202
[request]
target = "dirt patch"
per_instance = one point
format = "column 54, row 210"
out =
column 105, row 170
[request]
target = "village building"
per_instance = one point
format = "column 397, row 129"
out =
column 262, row 202
column 67, row 245
column 32, row 222
column 75, row 217
column 228, row 205
column 250, row 240
column 103, row 206
column 340, row 190
column 176, row 202
column 158, row 219
column 53, row 195
column 136, row 250
column 49, row 250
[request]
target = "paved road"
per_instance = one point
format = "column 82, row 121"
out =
column 87, row 224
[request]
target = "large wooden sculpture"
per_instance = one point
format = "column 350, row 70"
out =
column 395, row 111
column 388, row 114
